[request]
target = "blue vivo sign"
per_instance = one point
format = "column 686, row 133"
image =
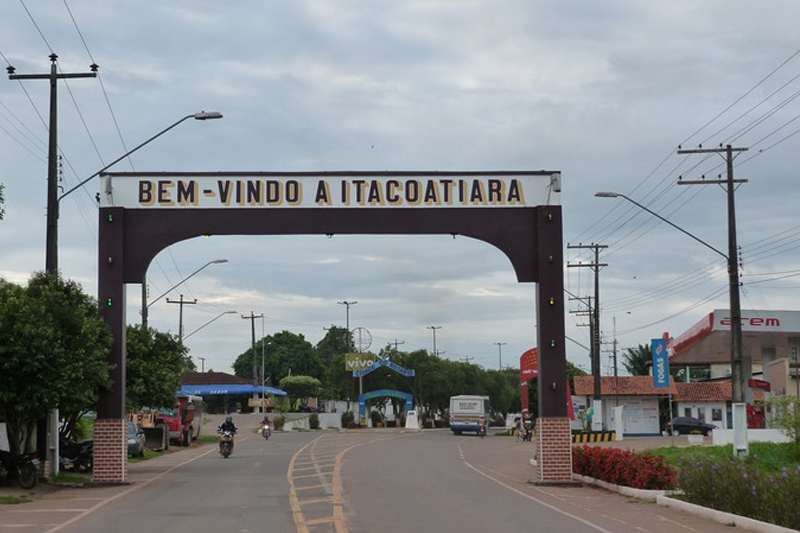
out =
column 383, row 362
column 660, row 363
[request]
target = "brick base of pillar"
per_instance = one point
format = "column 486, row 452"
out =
column 110, row 451
column 553, row 451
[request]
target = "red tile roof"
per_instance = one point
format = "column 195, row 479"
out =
column 213, row 378
column 622, row 386
column 708, row 391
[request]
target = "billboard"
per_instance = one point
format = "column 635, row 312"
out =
column 358, row 361
column 658, row 347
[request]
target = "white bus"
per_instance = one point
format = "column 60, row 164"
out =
column 466, row 411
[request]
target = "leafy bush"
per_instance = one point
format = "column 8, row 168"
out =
column 376, row 418
column 787, row 415
column 438, row 423
column 427, row 424
column 348, row 417
column 623, row 467
column 313, row 421
column 737, row 487
column 278, row 422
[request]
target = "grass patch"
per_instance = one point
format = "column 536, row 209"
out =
column 148, row 454
column 13, row 500
column 207, row 439
column 764, row 486
column 767, row 456
column 69, row 479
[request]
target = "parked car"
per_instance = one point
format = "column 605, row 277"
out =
column 683, row 425
column 135, row 440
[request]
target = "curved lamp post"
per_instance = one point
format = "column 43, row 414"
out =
column 739, row 379
column 209, row 322
column 146, row 305
column 51, row 251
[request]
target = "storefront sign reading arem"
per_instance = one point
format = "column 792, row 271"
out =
column 351, row 190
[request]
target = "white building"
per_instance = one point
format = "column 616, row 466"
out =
column 636, row 394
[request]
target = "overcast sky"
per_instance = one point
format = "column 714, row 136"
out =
column 604, row 92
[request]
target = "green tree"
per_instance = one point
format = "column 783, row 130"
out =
column 637, row 360
column 300, row 388
column 284, row 353
column 53, row 354
column 787, row 415
column 332, row 344
column 154, row 365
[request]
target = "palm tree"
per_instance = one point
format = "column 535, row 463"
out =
column 637, row 360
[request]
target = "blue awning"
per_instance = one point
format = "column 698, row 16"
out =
column 205, row 390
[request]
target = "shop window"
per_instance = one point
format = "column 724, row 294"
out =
column 716, row 415
column 701, row 415
column 687, row 411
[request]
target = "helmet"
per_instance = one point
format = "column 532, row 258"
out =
column 228, row 419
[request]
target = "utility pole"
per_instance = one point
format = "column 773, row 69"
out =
column 396, row 342
column 614, row 350
column 596, row 265
column 51, row 250
column 500, row 354
column 48, row 429
column 252, row 318
column 467, row 359
column 202, row 364
column 434, row 328
column 588, row 312
column 595, row 318
column 741, row 363
column 181, row 302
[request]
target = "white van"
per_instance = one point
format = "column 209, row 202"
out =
column 465, row 413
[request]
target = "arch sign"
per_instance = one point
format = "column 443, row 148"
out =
column 517, row 212
column 382, row 393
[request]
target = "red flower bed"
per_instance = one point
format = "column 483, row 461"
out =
column 623, row 467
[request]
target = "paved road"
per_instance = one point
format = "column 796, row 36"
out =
column 359, row 482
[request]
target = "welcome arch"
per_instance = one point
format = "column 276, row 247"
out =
column 383, row 393
column 517, row 212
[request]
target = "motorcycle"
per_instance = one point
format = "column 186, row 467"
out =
column 226, row 443
column 23, row 468
column 76, row 455
column 266, row 431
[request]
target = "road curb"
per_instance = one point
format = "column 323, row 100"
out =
column 722, row 517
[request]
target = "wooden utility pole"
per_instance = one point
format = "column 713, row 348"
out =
column 51, row 251
column 741, row 363
column 181, row 302
column 595, row 318
column 252, row 318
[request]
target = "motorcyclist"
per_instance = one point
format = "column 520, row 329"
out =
column 228, row 425
column 265, row 424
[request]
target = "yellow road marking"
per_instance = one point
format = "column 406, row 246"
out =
column 318, row 521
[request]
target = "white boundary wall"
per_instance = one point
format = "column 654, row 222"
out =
column 721, row 437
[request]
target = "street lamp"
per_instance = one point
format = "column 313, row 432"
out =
column 433, row 329
column 209, row 322
column 146, row 305
column 347, row 318
column 500, row 353
column 739, row 379
column 52, row 235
